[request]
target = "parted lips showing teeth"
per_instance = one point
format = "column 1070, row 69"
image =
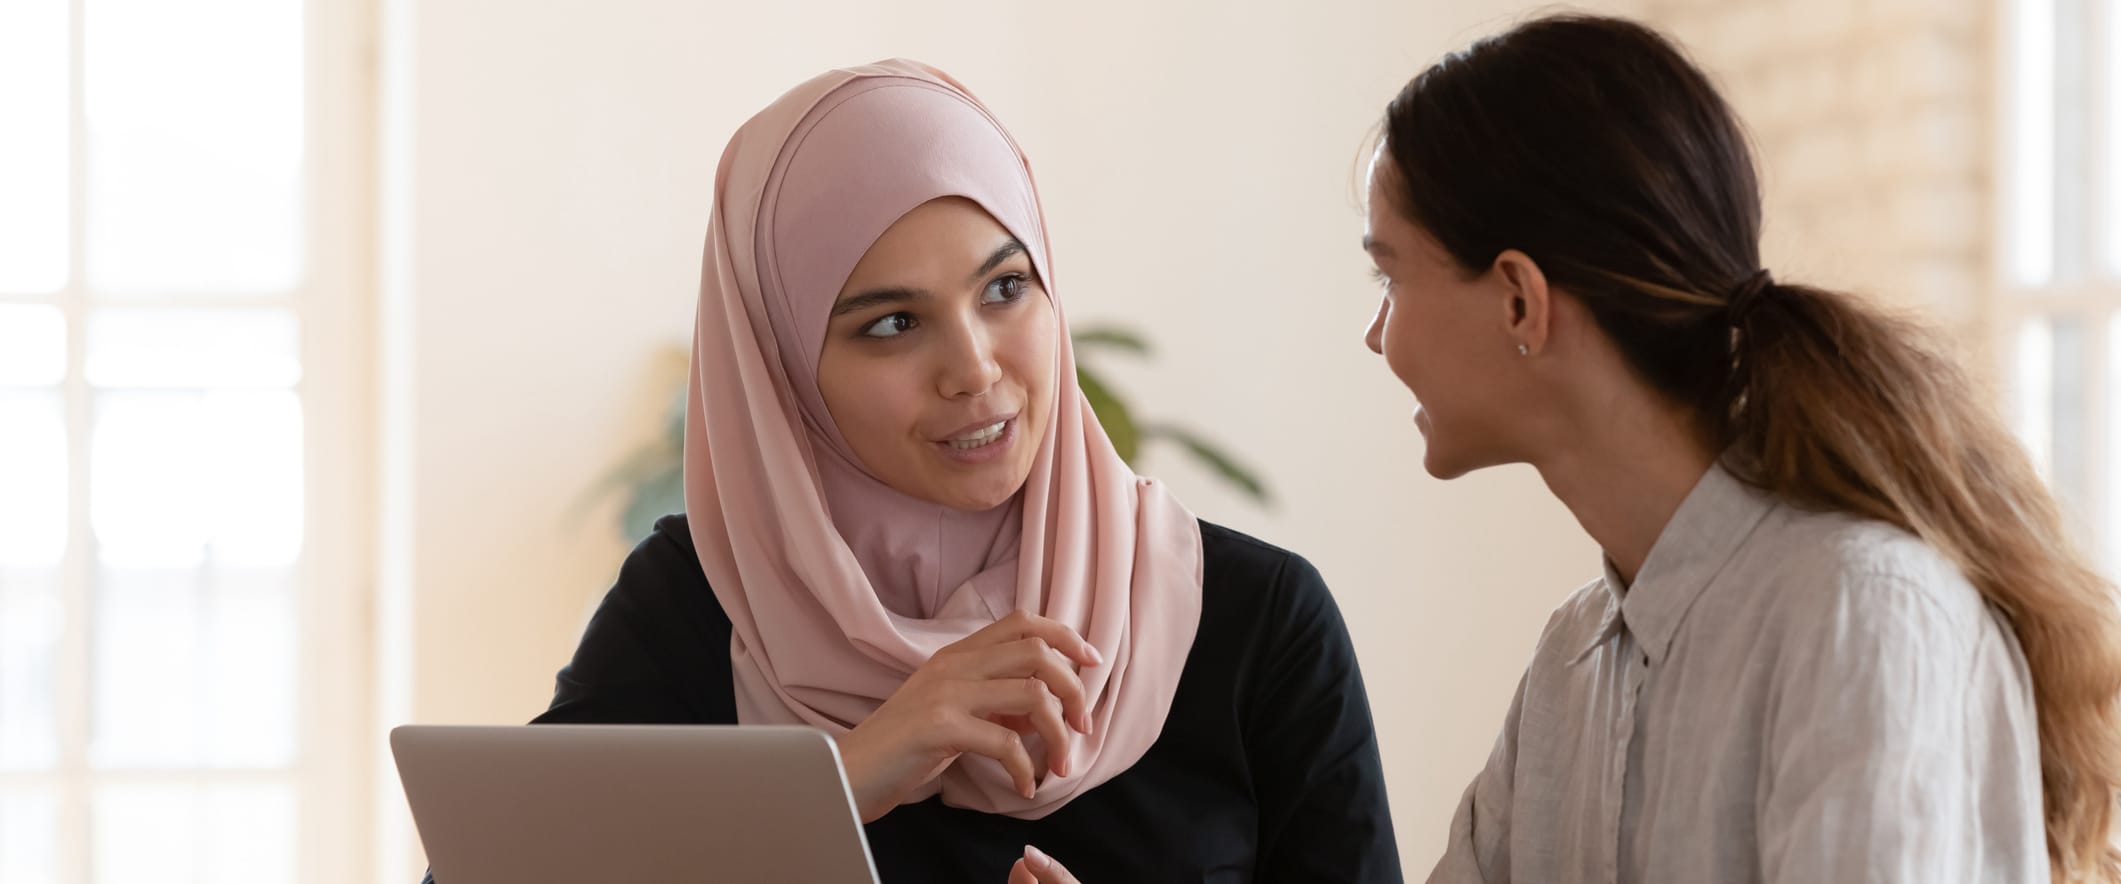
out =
column 980, row 437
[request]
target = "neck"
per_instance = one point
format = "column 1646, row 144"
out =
column 1625, row 471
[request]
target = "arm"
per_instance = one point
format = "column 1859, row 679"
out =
column 1479, row 846
column 1879, row 736
column 1311, row 745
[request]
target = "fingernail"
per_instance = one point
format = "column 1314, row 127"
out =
column 1097, row 658
column 1038, row 858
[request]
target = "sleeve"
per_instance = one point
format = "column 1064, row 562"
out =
column 1479, row 846
column 1312, row 747
column 1877, row 737
column 655, row 652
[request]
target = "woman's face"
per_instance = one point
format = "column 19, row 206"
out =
column 1446, row 334
column 938, row 363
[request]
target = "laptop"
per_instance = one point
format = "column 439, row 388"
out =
column 566, row 804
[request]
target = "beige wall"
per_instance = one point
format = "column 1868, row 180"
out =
column 546, row 180
column 1874, row 124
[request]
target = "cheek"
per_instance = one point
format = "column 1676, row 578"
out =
column 870, row 403
column 1029, row 355
column 1407, row 348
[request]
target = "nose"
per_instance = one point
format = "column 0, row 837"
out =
column 1374, row 336
column 968, row 367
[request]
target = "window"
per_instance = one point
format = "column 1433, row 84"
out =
column 179, row 282
column 2059, row 311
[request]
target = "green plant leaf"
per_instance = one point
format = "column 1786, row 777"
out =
column 674, row 424
column 654, row 497
column 640, row 467
column 1215, row 458
column 1111, row 412
column 1110, row 338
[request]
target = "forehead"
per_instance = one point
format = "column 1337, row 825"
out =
column 1386, row 223
column 940, row 235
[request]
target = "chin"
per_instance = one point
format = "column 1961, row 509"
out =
column 1443, row 469
column 1443, row 461
column 980, row 494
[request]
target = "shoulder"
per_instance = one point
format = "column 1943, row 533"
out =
column 662, row 577
column 671, row 538
column 1581, row 615
column 668, row 550
column 1268, row 594
column 1823, row 569
column 1237, row 564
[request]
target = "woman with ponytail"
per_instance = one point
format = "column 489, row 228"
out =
column 1841, row 633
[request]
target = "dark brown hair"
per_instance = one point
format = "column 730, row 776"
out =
column 1595, row 147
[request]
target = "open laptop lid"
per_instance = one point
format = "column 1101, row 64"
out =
column 568, row 804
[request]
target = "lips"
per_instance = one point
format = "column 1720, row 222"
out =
column 988, row 441
column 979, row 438
column 985, row 429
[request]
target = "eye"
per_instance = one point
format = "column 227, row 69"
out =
column 1378, row 273
column 1005, row 289
column 890, row 326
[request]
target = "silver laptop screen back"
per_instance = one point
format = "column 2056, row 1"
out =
column 568, row 804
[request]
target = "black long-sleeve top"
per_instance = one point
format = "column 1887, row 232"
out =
column 1267, row 768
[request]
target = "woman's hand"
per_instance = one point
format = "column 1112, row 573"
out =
column 980, row 695
column 1038, row 868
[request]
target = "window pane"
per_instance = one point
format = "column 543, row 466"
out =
column 32, row 342
column 194, row 669
column 235, row 834
column 2111, row 158
column 35, row 160
column 30, row 623
column 178, row 477
column 2033, row 393
column 248, row 691
column 195, row 118
column 256, row 464
column 2053, row 408
column 33, row 476
column 193, row 348
column 2110, row 549
column 29, row 836
column 147, row 493
column 2031, row 256
column 146, row 668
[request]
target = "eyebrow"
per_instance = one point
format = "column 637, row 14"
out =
column 902, row 295
column 1376, row 248
column 1008, row 250
column 875, row 298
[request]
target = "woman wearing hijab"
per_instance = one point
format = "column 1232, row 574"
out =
column 905, row 527
column 1841, row 633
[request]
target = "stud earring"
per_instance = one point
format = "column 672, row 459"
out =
column 1523, row 350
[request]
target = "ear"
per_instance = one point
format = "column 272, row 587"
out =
column 1527, row 303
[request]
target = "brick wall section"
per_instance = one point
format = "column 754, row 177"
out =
column 1873, row 127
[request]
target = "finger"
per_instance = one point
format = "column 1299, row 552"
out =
column 1045, row 869
column 1027, row 697
column 1035, row 658
column 1018, row 723
column 1018, row 874
column 1024, row 624
column 1001, row 744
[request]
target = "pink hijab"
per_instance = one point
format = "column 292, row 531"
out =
column 838, row 586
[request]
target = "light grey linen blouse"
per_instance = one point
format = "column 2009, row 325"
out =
column 1781, row 696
